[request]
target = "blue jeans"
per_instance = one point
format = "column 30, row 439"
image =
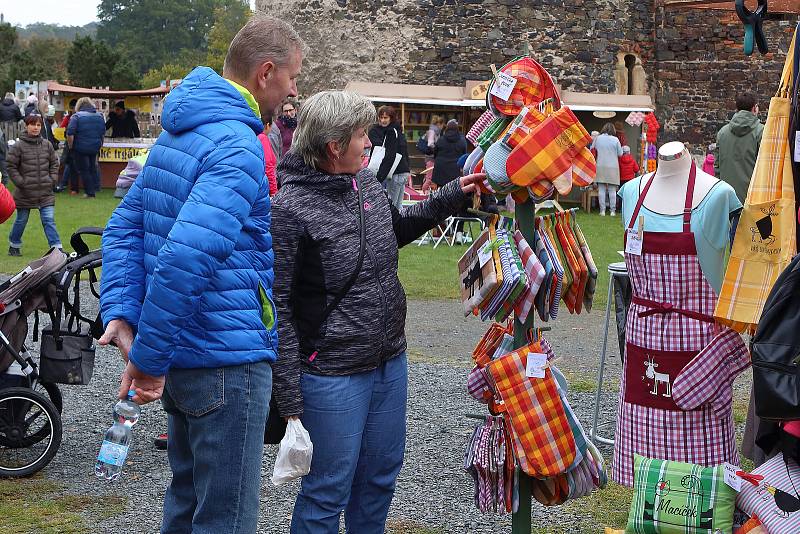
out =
column 357, row 424
column 86, row 165
column 47, row 215
column 216, row 420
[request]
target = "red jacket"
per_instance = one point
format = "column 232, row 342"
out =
column 7, row 205
column 270, row 163
column 627, row 168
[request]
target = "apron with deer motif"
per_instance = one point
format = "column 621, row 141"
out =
column 669, row 322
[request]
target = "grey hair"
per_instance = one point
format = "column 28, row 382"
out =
column 260, row 40
column 10, row 95
column 329, row 116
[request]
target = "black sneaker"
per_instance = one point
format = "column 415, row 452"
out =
column 160, row 442
column 14, row 251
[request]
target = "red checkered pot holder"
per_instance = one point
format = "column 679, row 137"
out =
column 533, row 86
column 543, row 441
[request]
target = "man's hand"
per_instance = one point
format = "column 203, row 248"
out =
column 120, row 333
column 291, row 418
column 469, row 184
column 148, row 388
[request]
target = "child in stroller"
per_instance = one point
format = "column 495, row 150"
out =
column 30, row 400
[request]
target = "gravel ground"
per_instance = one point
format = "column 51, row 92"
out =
column 432, row 490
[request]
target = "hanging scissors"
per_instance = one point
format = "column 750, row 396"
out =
column 753, row 28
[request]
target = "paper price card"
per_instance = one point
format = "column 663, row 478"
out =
column 484, row 254
column 535, row 365
column 635, row 238
column 731, row 478
column 503, row 86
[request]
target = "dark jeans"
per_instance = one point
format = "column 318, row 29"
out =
column 87, row 167
column 216, row 421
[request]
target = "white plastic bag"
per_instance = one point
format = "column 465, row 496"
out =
column 294, row 454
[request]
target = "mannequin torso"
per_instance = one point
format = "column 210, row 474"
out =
column 668, row 192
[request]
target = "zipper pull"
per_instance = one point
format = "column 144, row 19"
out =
column 313, row 356
column 355, row 185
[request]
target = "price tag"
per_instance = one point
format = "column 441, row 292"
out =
column 731, row 478
column 484, row 254
column 503, row 86
column 797, row 147
column 633, row 244
column 534, row 368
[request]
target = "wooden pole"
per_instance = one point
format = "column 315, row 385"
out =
column 521, row 519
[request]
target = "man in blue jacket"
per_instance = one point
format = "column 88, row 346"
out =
column 187, row 280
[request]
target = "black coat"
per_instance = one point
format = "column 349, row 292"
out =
column 315, row 237
column 395, row 142
column 450, row 146
column 125, row 126
column 9, row 111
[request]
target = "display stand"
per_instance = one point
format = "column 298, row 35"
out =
column 521, row 519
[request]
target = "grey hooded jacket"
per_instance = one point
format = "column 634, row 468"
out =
column 315, row 236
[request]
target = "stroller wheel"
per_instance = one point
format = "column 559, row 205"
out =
column 30, row 432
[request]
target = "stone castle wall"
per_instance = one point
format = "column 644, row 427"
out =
column 692, row 59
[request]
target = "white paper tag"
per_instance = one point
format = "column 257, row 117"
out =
column 797, row 147
column 503, row 86
column 484, row 254
column 731, row 478
column 633, row 245
column 534, row 368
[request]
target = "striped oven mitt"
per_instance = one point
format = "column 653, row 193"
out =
column 568, row 240
column 543, row 441
column 535, row 271
column 708, row 378
column 483, row 122
column 591, row 282
column 548, row 151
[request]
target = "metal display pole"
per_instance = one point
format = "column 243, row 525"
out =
column 521, row 519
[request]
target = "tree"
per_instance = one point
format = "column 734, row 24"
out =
column 33, row 59
column 93, row 63
column 152, row 31
column 227, row 21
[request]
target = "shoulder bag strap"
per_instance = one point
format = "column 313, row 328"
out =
column 359, row 263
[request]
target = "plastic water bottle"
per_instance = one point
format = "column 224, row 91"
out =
column 117, row 440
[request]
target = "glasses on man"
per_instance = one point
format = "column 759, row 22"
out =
column 288, row 110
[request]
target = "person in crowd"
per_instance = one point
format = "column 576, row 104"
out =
column 451, row 145
column 344, row 375
column 619, row 132
column 432, row 136
column 48, row 113
column 32, row 104
column 122, row 122
column 737, row 145
column 275, row 140
column 609, row 150
column 9, row 110
column 708, row 163
column 3, row 157
column 70, row 176
column 286, row 123
column 187, row 265
column 70, row 112
column 388, row 132
column 628, row 168
column 595, row 134
column 33, row 167
column 270, row 162
column 85, row 138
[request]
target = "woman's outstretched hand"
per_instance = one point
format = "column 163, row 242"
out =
column 469, row 184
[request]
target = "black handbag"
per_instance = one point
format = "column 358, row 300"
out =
column 276, row 425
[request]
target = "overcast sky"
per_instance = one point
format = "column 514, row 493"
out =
column 66, row 13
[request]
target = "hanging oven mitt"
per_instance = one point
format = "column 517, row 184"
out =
column 591, row 281
column 478, row 274
column 709, row 377
column 548, row 151
column 483, row 122
column 543, row 441
column 584, row 168
column 579, row 267
column 535, row 272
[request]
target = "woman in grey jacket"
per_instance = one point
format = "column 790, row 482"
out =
column 344, row 374
column 609, row 150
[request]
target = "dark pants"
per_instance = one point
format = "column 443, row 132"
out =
column 87, row 167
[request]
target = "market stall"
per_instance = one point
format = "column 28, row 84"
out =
column 115, row 153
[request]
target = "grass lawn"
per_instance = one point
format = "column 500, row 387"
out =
column 426, row 273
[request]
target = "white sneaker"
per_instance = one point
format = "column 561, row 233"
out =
column 602, row 214
column 613, row 213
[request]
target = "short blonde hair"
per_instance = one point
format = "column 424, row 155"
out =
column 82, row 101
column 329, row 116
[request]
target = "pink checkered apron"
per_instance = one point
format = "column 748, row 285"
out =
column 669, row 322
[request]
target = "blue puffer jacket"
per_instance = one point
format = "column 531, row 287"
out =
column 187, row 255
column 88, row 127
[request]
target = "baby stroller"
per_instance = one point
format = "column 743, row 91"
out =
column 30, row 400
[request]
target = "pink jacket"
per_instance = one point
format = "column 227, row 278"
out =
column 708, row 164
column 270, row 163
